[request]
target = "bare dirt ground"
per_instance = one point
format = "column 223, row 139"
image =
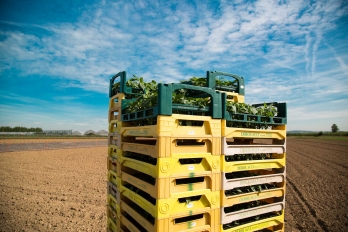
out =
column 8, row 145
column 53, row 190
column 317, row 174
column 65, row 190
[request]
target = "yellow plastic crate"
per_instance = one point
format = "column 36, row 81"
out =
column 114, row 151
column 112, row 213
column 252, row 196
column 191, row 221
column 113, row 190
column 114, row 139
column 169, row 207
column 115, row 101
column 114, row 115
column 129, row 225
column 114, row 226
column 115, row 126
column 234, row 132
column 274, row 205
column 251, row 146
column 114, row 178
column 165, row 147
column 113, row 203
column 274, row 176
column 115, row 107
column 171, row 167
column 171, row 186
column 235, row 166
column 114, row 165
column 257, row 225
column 170, row 126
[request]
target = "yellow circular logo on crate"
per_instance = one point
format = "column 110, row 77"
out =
column 164, row 208
column 165, row 167
column 216, row 163
column 215, row 200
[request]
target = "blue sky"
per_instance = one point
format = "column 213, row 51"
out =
column 56, row 57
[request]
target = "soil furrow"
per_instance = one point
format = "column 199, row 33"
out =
column 313, row 216
column 342, row 143
column 339, row 160
column 320, row 161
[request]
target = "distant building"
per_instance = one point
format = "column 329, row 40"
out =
column 76, row 133
column 17, row 133
column 89, row 132
column 102, row 133
column 57, row 132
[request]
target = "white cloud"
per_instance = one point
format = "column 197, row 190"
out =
column 281, row 47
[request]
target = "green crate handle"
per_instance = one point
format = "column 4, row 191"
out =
column 122, row 76
column 165, row 104
column 123, row 87
column 211, row 78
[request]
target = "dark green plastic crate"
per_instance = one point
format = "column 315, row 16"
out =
column 213, row 75
column 166, row 107
column 280, row 119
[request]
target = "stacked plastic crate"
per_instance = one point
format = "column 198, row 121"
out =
column 113, row 165
column 253, row 170
column 170, row 177
column 171, row 169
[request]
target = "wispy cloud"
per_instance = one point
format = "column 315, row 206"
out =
column 277, row 45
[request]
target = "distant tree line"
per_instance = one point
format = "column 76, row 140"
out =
column 19, row 129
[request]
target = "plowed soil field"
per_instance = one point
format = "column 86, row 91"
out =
column 65, row 189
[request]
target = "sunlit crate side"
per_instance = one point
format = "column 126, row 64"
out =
column 173, row 186
column 273, row 205
column 114, row 165
column 114, row 151
column 114, row 225
column 249, row 146
column 114, row 178
column 164, row 208
column 240, row 133
column 274, row 176
column 114, row 115
column 114, row 139
column 115, row 102
column 115, row 126
column 177, row 125
column 201, row 220
column 172, row 146
column 173, row 166
column 113, row 203
column 115, row 107
column 256, row 225
column 229, row 200
column 114, row 191
column 246, row 165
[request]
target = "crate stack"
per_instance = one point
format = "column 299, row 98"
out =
column 253, row 171
column 113, row 165
column 172, row 169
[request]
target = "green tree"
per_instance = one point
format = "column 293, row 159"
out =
column 334, row 128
